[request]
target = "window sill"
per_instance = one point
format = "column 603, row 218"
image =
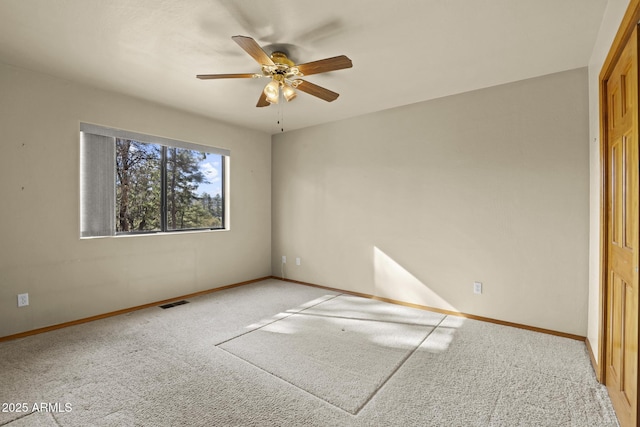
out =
column 159, row 233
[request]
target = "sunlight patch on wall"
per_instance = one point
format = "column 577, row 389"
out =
column 394, row 281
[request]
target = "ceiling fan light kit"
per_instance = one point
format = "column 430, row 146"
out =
column 272, row 91
column 284, row 73
column 288, row 92
column 283, row 76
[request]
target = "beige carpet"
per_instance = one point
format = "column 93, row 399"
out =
column 340, row 350
column 276, row 353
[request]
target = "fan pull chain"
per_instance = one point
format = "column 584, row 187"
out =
column 279, row 111
column 281, row 121
column 280, row 117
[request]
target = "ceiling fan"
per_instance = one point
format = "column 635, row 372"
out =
column 284, row 74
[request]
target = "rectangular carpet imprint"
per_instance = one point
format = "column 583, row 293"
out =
column 341, row 350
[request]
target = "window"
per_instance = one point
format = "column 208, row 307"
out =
column 133, row 183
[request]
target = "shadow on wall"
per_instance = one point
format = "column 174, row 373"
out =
column 391, row 280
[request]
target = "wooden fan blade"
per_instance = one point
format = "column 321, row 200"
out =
column 324, row 65
column 253, row 48
column 225, row 76
column 262, row 102
column 319, row 91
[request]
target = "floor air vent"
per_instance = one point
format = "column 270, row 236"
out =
column 173, row 304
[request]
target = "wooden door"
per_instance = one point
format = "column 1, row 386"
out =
column 621, row 350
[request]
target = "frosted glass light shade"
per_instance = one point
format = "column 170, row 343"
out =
column 272, row 91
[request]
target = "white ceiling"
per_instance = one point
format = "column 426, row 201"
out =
column 403, row 51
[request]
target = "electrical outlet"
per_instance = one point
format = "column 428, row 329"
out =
column 477, row 287
column 23, row 300
column 298, row 261
column 284, row 259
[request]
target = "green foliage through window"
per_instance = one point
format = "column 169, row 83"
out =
column 160, row 188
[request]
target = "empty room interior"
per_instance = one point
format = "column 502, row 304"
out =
column 341, row 213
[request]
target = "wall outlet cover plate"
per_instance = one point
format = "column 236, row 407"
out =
column 23, row 300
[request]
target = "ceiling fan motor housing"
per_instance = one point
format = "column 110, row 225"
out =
column 283, row 67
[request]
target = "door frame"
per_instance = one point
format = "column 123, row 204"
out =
column 629, row 22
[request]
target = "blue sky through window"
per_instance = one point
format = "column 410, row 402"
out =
column 211, row 167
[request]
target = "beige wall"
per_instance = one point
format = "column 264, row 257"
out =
column 418, row 202
column 413, row 203
column 40, row 250
column 610, row 23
